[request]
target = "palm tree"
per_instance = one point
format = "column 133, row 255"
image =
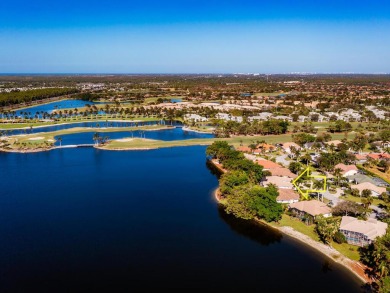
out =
column 337, row 174
column 306, row 158
column 96, row 137
column 60, row 140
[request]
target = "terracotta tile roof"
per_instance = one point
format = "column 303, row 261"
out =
column 371, row 228
column 283, row 172
column 379, row 156
column 268, row 164
column 287, row 194
column 244, row 149
column 361, row 156
column 346, row 168
column 287, row 145
column 369, row 186
column 280, row 182
column 311, row 207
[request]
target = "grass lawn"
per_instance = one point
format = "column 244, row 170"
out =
column 347, row 250
column 376, row 201
column 101, row 119
column 298, row 225
column 380, row 174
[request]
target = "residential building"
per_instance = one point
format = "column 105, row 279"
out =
column 309, row 210
column 347, row 170
column 361, row 233
column 375, row 190
column 287, row 196
column 280, row 182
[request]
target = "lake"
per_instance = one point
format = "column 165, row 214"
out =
column 57, row 105
column 165, row 134
column 88, row 220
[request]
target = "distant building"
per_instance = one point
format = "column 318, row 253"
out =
column 361, row 233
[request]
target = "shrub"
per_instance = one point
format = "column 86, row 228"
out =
column 339, row 238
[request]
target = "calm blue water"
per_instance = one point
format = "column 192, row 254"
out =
column 87, row 220
column 65, row 104
column 176, row 100
column 167, row 135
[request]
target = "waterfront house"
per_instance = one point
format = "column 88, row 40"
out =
column 287, row 196
column 283, row 172
column 280, row 182
column 361, row 233
column 309, row 210
column 375, row 190
column 347, row 170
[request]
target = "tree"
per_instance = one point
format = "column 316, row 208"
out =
column 232, row 179
column 367, row 201
column 327, row 228
column 348, row 208
column 264, row 203
column 96, row 137
column 240, row 204
column 59, row 139
column 377, row 257
column 295, row 167
column 366, row 193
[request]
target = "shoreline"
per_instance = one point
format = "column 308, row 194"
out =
column 353, row 266
column 75, row 122
column 193, row 130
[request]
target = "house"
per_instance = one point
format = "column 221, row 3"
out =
column 287, row 147
column 361, row 158
column 264, row 147
column 309, row 210
column 360, row 178
column 361, row 233
column 267, row 165
column 287, row 196
column 347, row 170
column 244, row 149
column 280, row 182
column 334, row 142
column 375, row 190
column 283, row 172
column 382, row 156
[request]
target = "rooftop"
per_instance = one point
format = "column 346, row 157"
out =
column 311, row 207
column 371, row 228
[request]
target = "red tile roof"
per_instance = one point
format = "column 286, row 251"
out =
column 268, row 164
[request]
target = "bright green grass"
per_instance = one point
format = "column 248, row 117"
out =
column 298, row 225
column 347, row 250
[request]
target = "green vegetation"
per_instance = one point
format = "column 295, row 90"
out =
column 377, row 257
column 240, row 186
column 17, row 97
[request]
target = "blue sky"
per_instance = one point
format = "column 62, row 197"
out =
column 211, row 36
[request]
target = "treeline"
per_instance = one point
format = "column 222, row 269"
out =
column 243, row 196
column 17, row 97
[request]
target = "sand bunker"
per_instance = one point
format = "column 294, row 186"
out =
column 36, row 138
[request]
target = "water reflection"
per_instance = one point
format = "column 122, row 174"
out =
column 250, row 229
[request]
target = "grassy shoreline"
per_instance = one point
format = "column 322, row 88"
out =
column 352, row 265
